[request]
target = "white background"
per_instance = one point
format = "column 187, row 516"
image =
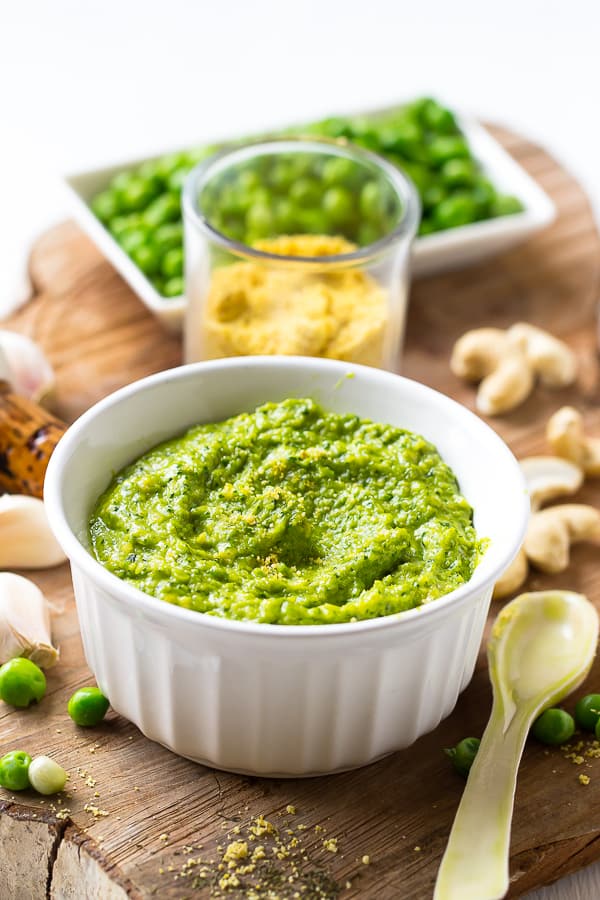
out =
column 85, row 82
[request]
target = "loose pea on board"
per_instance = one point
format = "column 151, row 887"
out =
column 21, row 682
column 142, row 209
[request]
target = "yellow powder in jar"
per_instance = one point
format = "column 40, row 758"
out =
column 254, row 308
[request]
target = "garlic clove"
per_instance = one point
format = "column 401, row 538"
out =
column 550, row 477
column 26, row 540
column 24, row 622
column 24, row 366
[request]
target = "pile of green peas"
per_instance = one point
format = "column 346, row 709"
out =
column 141, row 208
column 553, row 727
column 300, row 193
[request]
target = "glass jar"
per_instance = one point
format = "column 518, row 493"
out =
column 299, row 247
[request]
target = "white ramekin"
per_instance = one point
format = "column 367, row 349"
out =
column 272, row 699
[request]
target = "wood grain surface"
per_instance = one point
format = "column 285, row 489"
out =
column 135, row 813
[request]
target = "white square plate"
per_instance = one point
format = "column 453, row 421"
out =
column 433, row 253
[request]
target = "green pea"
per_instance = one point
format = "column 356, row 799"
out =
column 372, row 201
column 121, row 181
column 259, row 220
column 368, row 234
column 432, row 195
column 232, row 201
column 337, row 170
column 168, row 236
column 505, row 205
column 147, row 258
column 170, row 163
column 427, row 226
column 282, row 175
column 418, row 174
column 338, row 205
column 458, row 173
column 177, row 178
column 174, row 287
column 305, row 192
column 463, row 755
column 437, row 117
column 132, row 239
column 554, row 726
column 405, row 138
column 21, row 682
column 334, row 127
column 285, row 216
column 137, row 194
column 484, row 195
column 446, row 147
column 120, row 225
column 587, row 711
column 105, row 205
column 14, row 771
column 166, row 208
column 88, row 706
column 248, row 180
column 172, row 264
column 150, row 172
column 363, row 131
column 457, row 209
column 313, row 221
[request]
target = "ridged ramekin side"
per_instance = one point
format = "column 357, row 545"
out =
column 295, row 707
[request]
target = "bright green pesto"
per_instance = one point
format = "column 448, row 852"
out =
column 289, row 515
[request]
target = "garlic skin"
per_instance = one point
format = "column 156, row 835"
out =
column 24, row 622
column 26, row 540
column 24, row 366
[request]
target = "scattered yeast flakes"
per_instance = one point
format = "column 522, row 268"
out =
column 95, row 811
column 261, row 862
column 584, row 779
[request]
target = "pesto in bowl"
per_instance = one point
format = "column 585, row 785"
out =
column 289, row 515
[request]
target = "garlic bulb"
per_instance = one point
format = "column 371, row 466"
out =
column 26, row 541
column 24, row 366
column 24, row 622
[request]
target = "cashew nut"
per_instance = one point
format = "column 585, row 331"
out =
column 486, row 355
column 552, row 531
column 550, row 477
column 507, row 363
column 566, row 436
column 513, row 577
column 551, row 359
column 547, row 477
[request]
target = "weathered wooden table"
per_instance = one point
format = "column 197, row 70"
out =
column 138, row 821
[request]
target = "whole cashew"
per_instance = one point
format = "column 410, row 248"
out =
column 513, row 577
column 507, row 363
column 568, row 439
column 547, row 477
column 550, row 477
column 486, row 355
column 552, row 531
column 551, row 359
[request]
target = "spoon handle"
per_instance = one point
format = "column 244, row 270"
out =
column 475, row 864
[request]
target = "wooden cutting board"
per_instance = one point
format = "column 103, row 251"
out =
column 135, row 813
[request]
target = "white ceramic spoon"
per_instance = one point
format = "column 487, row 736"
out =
column 541, row 648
